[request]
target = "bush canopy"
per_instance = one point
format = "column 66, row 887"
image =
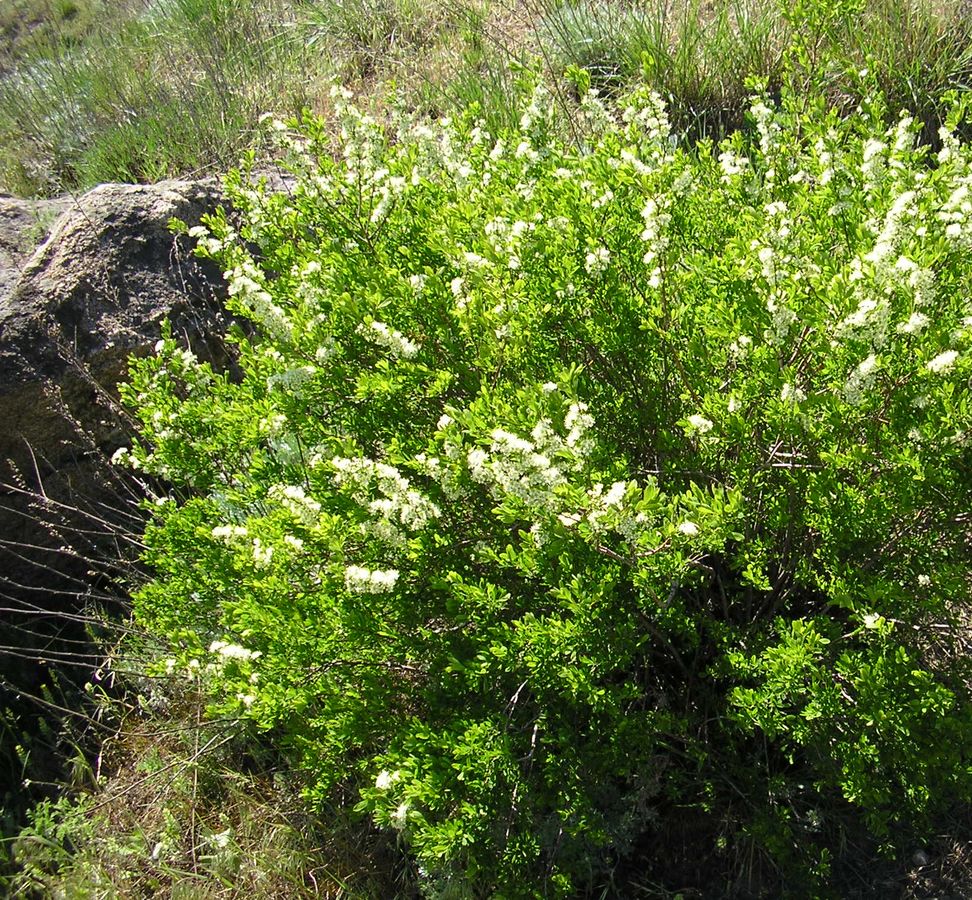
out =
column 569, row 477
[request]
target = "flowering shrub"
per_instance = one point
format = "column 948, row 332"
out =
column 565, row 481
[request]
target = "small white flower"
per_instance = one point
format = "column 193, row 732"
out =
column 232, row 651
column 385, row 780
column 731, row 164
column 597, row 261
column 700, row 423
column 860, row 380
column 924, row 580
column 741, row 346
column 417, row 283
column 943, row 362
column 690, row 529
column 262, row 554
column 393, row 341
column 228, row 532
column 399, row 818
column 914, row 325
column 359, row 580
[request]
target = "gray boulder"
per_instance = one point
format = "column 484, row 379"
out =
column 71, row 312
column 95, row 291
column 23, row 224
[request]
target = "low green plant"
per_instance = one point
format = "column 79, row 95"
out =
column 186, row 808
column 568, row 484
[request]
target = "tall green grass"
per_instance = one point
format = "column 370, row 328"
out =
column 143, row 89
column 29, row 27
column 175, row 89
column 700, row 54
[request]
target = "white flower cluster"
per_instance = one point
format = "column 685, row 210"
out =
column 227, row 651
column 732, row 164
column 606, row 511
column 782, row 318
column 292, row 380
column 950, row 144
column 741, row 346
column 505, row 238
column 262, row 554
column 699, row 424
column 394, row 341
column 889, row 237
column 360, row 137
column 593, row 118
column 228, row 533
column 943, row 362
column 386, row 779
column 452, row 156
column 646, row 116
column 387, row 188
column 869, row 321
column 904, row 137
column 515, row 466
column 327, row 351
column 538, row 115
column 656, row 218
column 206, row 241
column 578, row 423
column 182, row 361
column 767, row 263
column 441, row 474
column 399, row 818
column 872, row 162
column 915, row 324
column 604, row 504
column 401, row 507
column 295, row 500
column 245, row 282
column 359, row 580
column 417, row 283
column 860, row 380
column 920, row 280
column 767, row 126
column 123, row 457
column 956, row 214
column 597, row 261
column 525, row 151
column 825, row 159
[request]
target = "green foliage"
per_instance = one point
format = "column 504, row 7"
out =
column 566, row 484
